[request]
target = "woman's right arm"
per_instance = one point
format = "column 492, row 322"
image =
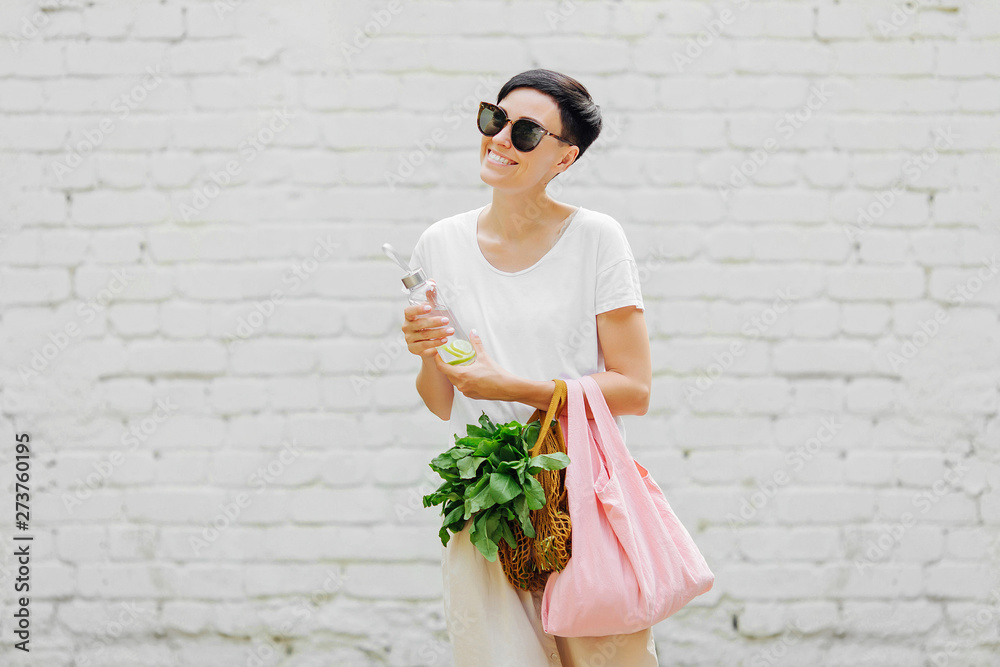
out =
column 421, row 334
column 435, row 388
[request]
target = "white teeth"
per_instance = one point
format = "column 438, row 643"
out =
column 493, row 157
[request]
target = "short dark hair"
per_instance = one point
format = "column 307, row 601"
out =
column 580, row 116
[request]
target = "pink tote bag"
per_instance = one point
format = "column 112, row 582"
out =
column 632, row 563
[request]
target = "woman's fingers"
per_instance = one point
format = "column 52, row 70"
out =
column 424, row 333
column 431, row 346
column 431, row 324
column 412, row 312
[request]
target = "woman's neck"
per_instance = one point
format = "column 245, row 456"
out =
column 510, row 218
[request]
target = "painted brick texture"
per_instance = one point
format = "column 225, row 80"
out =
column 202, row 337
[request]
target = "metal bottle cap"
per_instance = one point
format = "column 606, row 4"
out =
column 411, row 280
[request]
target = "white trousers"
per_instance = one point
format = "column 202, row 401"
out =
column 492, row 623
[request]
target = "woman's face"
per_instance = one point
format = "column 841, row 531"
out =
column 535, row 167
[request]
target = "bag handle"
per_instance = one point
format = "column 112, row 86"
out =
column 559, row 399
column 608, row 437
column 578, row 438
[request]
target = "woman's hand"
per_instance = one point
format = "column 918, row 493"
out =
column 423, row 332
column 482, row 379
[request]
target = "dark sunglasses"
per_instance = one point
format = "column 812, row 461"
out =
column 525, row 134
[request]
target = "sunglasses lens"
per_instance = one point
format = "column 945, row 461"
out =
column 490, row 122
column 525, row 135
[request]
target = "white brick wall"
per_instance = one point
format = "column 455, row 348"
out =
column 229, row 452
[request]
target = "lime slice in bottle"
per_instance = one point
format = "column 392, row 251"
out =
column 461, row 350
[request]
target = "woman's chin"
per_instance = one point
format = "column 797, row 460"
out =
column 489, row 176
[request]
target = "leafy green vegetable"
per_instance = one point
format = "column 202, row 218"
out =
column 489, row 477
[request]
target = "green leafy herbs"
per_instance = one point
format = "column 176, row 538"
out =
column 489, row 476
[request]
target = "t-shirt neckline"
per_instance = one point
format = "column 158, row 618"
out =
column 479, row 251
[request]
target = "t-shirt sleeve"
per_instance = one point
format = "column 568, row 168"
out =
column 618, row 273
column 618, row 286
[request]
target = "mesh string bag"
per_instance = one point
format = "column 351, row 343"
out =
column 528, row 565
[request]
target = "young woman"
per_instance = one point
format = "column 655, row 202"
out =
column 552, row 290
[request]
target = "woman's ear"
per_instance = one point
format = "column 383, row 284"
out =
column 571, row 155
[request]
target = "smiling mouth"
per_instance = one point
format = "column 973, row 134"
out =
column 498, row 159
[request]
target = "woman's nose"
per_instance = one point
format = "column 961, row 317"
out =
column 503, row 135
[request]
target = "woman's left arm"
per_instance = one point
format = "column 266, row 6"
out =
column 627, row 381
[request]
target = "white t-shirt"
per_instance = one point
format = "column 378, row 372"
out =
column 539, row 323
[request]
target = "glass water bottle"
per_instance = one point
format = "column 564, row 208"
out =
column 457, row 350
